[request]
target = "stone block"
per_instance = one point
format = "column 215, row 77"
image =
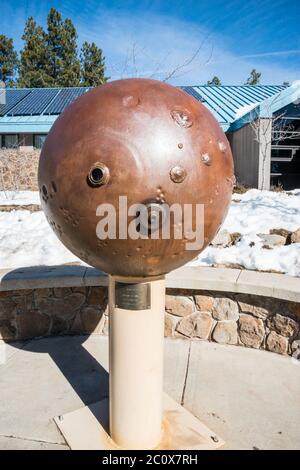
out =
column 204, row 302
column 277, row 343
column 283, row 325
column 31, row 324
column 179, row 305
column 225, row 308
column 65, row 307
column 225, row 332
column 92, row 320
column 251, row 331
column 203, row 325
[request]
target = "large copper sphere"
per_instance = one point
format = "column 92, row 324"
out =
column 142, row 139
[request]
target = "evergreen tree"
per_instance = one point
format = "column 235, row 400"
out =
column 54, row 45
column 32, row 69
column 63, row 65
column 254, row 78
column 8, row 60
column 92, row 65
column 70, row 67
column 214, row 81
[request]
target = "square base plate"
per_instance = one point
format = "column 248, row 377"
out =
column 87, row 429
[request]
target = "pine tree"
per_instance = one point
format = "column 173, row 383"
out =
column 70, row 67
column 63, row 64
column 8, row 60
column 92, row 65
column 214, row 81
column 32, row 69
column 254, row 78
column 54, row 45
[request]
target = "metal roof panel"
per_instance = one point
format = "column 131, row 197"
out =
column 229, row 104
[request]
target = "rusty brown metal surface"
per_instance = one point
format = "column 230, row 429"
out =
column 142, row 139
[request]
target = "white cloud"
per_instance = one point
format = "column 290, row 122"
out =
column 155, row 45
column 160, row 43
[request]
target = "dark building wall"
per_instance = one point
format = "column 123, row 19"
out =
column 245, row 152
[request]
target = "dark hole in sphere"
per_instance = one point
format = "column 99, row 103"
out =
column 97, row 175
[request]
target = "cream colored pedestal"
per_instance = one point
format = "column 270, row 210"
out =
column 136, row 416
column 87, row 429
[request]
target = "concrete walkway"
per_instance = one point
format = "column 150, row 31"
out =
column 250, row 398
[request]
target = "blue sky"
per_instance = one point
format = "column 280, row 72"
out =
column 198, row 39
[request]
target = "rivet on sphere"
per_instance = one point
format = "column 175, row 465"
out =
column 206, row 159
column 177, row 174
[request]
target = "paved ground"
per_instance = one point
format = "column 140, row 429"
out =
column 250, row 398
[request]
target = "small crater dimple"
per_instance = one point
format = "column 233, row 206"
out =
column 138, row 248
column 70, row 218
column 231, row 180
column 180, row 145
column 222, row 146
column 206, row 159
column 182, row 117
column 130, row 101
column 59, row 229
column 84, row 254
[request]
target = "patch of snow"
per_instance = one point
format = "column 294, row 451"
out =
column 26, row 238
column 245, row 109
column 295, row 84
column 19, row 198
column 258, row 212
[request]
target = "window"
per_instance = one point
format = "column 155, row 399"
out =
column 283, row 153
column 39, row 140
column 10, row 141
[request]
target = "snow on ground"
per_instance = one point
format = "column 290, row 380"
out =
column 27, row 240
column 258, row 212
column 19, row 198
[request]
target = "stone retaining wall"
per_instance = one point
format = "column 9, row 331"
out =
column 18, row 170
column 239, row 319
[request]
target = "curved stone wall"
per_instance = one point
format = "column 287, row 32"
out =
column 228, row 318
